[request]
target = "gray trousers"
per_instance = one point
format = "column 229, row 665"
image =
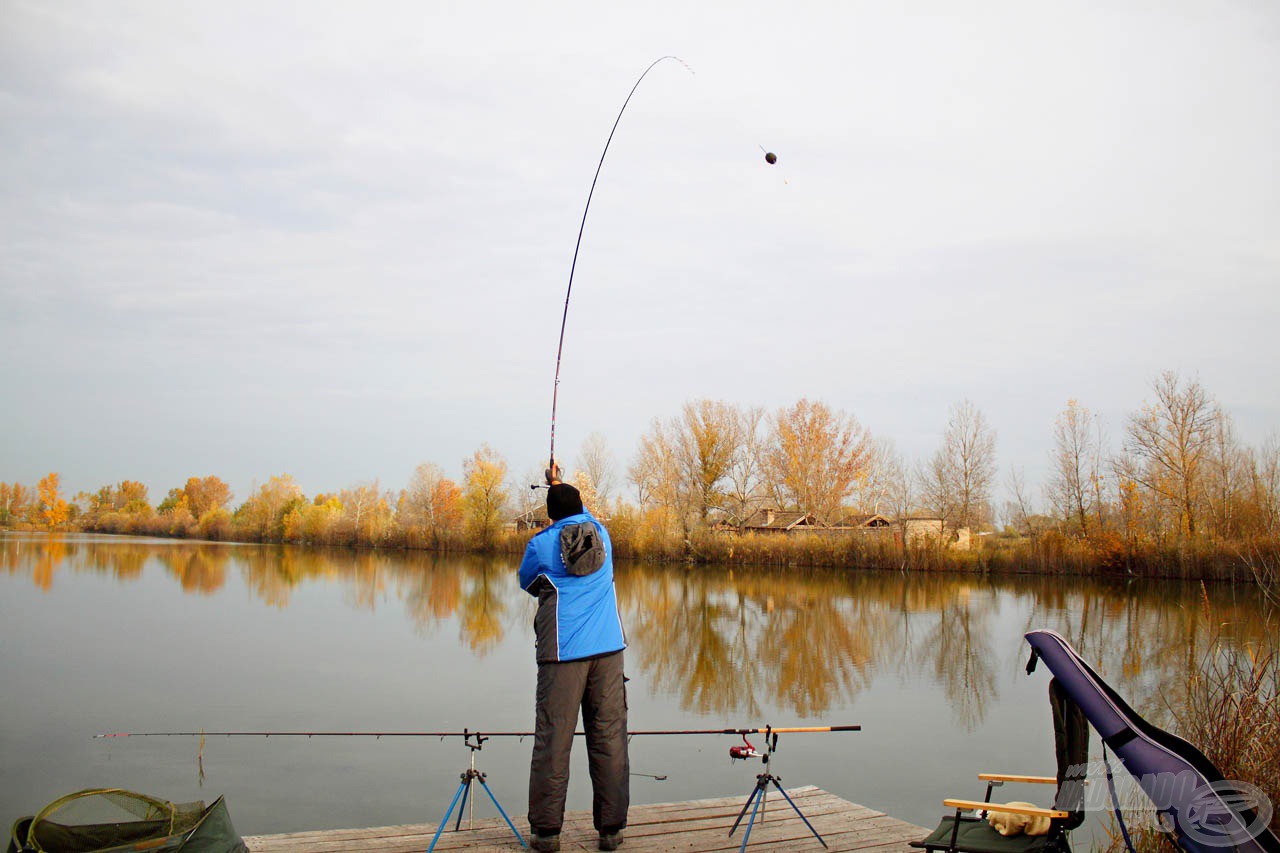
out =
column 595, row 685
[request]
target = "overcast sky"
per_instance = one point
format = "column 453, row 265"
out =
column 333, row 240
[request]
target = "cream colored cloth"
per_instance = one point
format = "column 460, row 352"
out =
column 1008, row 823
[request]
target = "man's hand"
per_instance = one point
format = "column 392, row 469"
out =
column 553, row 474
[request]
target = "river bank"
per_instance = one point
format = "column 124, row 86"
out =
column 1254, row 561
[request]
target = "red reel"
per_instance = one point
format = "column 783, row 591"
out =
column 743, row 752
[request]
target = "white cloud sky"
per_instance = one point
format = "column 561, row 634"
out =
column 243, row 239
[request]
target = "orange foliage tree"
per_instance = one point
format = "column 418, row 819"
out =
column 815, row 455
column 484, row 495
column 432, row 503
column 53, row 509
column 205, row 494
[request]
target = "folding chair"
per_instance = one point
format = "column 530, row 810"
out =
column 967, row 830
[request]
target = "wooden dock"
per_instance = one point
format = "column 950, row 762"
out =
column 689, row 827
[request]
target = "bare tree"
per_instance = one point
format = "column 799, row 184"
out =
column 1264, row 485
column 956, row 482
column 1020, row 510
column 936, row 485
column 872, row 490
column 1074, row 474
column 526, row 498
column 1225, row 475
column 900, row 495
column 1168, row 439
column 746, row 472
column 596, row 462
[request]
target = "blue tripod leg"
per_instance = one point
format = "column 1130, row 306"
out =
column 750, row 799
column 802, row 817
column 462, row 806
column 445, row 819
column 502, row 812
column 746, row 836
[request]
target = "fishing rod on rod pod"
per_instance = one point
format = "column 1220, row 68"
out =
column 471, row 733
column 474, row 737
column 552, row 472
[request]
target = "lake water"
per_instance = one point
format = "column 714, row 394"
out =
column 114, row 634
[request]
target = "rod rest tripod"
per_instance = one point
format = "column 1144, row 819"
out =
column 471, row 774
column 760, row 791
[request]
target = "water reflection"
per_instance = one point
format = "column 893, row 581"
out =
column 728, row 644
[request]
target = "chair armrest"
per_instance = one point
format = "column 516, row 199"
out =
column 1007, row 777
column 1001, row 807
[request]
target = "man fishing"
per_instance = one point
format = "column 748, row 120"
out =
column 579, row 639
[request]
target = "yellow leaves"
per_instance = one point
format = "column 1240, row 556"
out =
column 816, row 454
column 53, row 509
column 484, row 494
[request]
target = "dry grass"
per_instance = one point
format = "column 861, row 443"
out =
column 1230, row 710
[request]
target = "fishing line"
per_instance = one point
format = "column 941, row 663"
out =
column 555, row 392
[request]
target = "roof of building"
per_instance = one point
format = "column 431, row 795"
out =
column 873, row 519
column 772, row 519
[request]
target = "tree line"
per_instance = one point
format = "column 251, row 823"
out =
column 1179, row 478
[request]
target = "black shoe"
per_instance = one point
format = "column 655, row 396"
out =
column 611, row 840
column 546, row 843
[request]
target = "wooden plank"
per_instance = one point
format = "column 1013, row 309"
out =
column 975, row 805
column 1009, row 777
column 693, row 826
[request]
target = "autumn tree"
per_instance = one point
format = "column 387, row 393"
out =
column 705, row 440
column 432, row 502
column 262, row 515
column 15, row 499
column 366, row 511
column 205, row 494
column 653, row 471
column 131, row 497
column 53, row 509
column 956, row 482
column 684, row 463
column 591, row 502
column 1168, row 440
column 484, row 494
column 815, row 455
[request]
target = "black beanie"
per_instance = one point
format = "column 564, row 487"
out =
column 563, row 501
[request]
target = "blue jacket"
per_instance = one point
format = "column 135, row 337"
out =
column 577, row 608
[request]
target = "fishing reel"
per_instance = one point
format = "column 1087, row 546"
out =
column 742, row 753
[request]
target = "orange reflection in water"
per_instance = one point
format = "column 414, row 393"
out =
column 726, row 642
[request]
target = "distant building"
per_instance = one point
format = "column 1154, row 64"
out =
column 862, row 523
column 920, row 528
column 531, row 519
column 770, row 520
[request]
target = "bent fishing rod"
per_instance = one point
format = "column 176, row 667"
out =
column 555, row 392
column 469, row 734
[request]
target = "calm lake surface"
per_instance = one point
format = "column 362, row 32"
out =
column 111, row 634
